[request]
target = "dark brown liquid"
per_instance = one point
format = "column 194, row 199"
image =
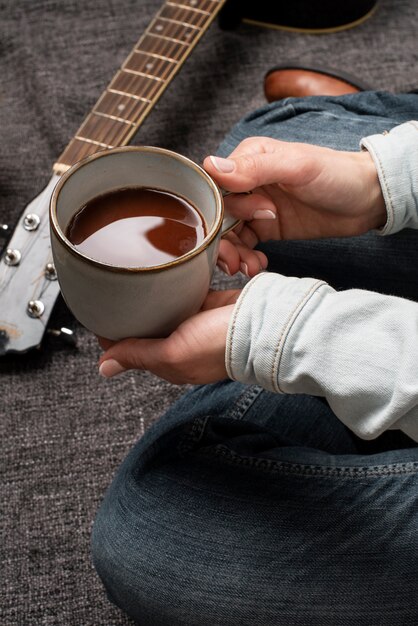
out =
column 136, row 227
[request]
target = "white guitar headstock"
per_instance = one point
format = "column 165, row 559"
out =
column 28, row 282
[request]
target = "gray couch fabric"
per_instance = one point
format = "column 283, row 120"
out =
column 63, row 429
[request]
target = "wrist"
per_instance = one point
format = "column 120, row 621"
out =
column 375, row 215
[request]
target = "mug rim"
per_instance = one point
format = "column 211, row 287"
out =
column 153, row 268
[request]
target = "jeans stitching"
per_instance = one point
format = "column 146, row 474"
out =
column 192, row 434
column 196, row 428
column 244, row 402
column 292, row 317
column 287, row 468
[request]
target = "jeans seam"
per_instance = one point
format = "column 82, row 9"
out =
column 244, row 402
column 271, row 466
column 195, row 430
column 193, row 434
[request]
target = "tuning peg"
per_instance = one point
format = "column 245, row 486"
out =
column 64, row 334
column 4, row 338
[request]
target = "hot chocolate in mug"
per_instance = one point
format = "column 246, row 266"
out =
column 117, row 302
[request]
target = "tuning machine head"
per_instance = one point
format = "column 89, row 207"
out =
column 64, row 335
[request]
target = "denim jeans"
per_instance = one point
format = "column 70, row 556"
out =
column 244, row 507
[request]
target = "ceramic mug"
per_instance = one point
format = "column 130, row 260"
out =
column 117, row 302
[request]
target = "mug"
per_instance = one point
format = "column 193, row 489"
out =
column 118, row 302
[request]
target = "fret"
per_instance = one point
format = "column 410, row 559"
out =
column 76, row 150
column 130, row 95
column 154, row 61
column 182, row 5
column 176, row 32
column 163, row 47
column 209, row 6
column 129, row 71
column 103, row 131
column 129, row 83
column 112, row 117
column 184, row 15
column 95, row 143
column 146, row 64
column 154, row 56
column 179, row 22
column 119, row 105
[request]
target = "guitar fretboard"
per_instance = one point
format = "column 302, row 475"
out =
column 142, row 78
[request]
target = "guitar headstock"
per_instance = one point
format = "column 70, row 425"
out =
column 28, row 281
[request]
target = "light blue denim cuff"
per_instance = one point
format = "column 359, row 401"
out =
column 395, row 155
column 262, row 319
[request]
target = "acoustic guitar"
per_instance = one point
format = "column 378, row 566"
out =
column 28, row 281
column 309, row 16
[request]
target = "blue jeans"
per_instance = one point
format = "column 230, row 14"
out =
column 244, row 507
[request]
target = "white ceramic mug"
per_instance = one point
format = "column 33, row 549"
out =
column 117, row 302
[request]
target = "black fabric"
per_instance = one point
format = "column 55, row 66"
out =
column 63, row 429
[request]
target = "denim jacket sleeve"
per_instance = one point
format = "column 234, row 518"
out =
column 356, row 348
column 395, row 155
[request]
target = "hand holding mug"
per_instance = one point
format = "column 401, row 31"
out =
column 299, row 191
column 194, row 353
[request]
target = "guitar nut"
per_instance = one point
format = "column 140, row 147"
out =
column 12, row 256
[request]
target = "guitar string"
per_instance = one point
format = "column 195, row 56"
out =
column 116, row 137
column 134, row 83
column 183, row 12
column 180, row 50
column 104, row 139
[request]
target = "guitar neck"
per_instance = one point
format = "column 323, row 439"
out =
column 142, row 78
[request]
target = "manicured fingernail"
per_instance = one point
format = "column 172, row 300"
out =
column 224, row 267
column 264, row 214
column 110, row 368
column 225, row 166
column 244, row 269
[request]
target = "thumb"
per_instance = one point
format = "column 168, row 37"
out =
column 257, row 162
column 247, row 171
column 142, row 354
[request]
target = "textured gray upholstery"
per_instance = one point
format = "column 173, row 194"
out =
column 64, row 430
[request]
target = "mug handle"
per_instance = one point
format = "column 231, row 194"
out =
column 229, row 221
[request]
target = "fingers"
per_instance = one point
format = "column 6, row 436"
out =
column 129, row 354
column 216, row 299
column 250, row 207
column 235, row 257
column 194, row 353
column 246, row 168
column 259, row 161
column 104, row 343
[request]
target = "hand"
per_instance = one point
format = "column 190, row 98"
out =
column 193, row 353
column 299, row 191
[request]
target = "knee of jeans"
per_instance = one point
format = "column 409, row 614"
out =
column 105, row 554
column 136, row 554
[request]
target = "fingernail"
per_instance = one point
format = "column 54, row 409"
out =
column 110, row 368
column 224, row 267
column 264, row 214
column 244, row 269
column 225, row 166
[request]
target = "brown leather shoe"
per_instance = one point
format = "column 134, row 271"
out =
column 298, row 81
